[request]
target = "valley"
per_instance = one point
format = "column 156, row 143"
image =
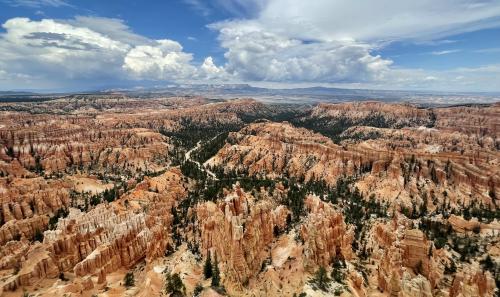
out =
column 116, row 195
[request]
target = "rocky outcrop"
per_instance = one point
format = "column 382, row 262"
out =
column 103, row 240
column 39, row 264
column 109, row 237
column 416, row 251
column 12, row 252
column 472, row 283
column 406, row 260
column 417, row 286
column 325, row 234
column 106, row 140
column 55, row 152
column 238, row 230
column 14, row 230
column 27, row 204
column 279, row 149
column 474, row 120
column 100, row 239
column 425, row 165
column 399, row 167
column 374, row 113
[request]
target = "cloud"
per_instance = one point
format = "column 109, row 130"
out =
column 324, row 41
column 241, row 8
column 199, row 6
column 445, row 52
column 164, row 61
column 467, row 79
column 375, row 21
column 37, row 3
column 211, row 71
column 87, row 51
column 258, row 55
column 487, row 50
column 113, row 28
column 280, row 42
column 435, row 42
column 55, row 49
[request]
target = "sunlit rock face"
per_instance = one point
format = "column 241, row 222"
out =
column 407, row 163
column 95, row 189
column 239, row 231
column 326, row 236
column 108, row 238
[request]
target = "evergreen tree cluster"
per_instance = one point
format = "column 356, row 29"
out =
column 129, row 280
column 61, row 213
column 477, row 210
column 295, row 201
column 210, row 147
column 435, row 230
column 174, row 285
column 212, row 271
column 192, row 170
column 193, row 131
column 492, row 266
column 356, row 208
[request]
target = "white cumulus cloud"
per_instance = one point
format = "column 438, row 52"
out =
column 57, row 50
column 165, row 60
column 87, row 50
column 269, row 41
column 258, row 55
column 209, row 70
column 324, row 41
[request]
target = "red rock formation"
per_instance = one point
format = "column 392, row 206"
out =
column 238, row 230
column 27, row 228
column 45, row 153
column 98, row 242
column 404, row 258
column 415, row 251
column 326, row 236
column 395, row 115
column 38, row 265
column 12, row 252
column 479, row 120
column 26, row 205
column 276, row 149
column 397, row 170
column 472, row 283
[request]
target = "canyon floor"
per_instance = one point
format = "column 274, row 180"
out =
column 111, row 195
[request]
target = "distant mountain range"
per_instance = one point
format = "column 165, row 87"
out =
column 320, row 94
column 296, row 95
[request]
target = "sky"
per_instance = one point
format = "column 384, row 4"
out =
column 69, row 45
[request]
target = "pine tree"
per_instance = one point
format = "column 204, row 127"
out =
column 337, row 273
column 447, row 169
column 197, row 290
column 129, row 280
column 321, row 279
column 38, row 235
column 174, row 285
column 207, row 269
column 216, row 274
column 434, row 177
column 423, row 206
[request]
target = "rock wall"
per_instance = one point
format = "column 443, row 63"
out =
column 473, row 283
column 325, row 234
column 238, row 230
